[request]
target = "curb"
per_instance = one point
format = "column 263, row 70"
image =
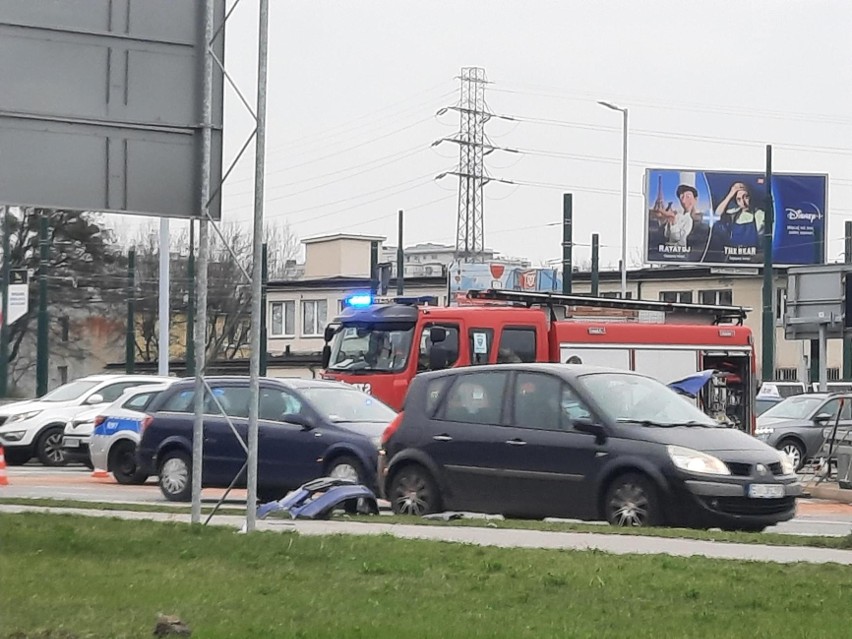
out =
column 830, row 491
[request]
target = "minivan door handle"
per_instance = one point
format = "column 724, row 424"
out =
column 442, row 438
column 516, row 442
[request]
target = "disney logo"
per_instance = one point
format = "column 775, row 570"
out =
column 799, row 214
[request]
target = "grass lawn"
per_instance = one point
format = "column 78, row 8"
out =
column 772, row 539
column 67, row 576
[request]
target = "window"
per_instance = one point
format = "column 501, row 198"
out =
column 780, row 303
column 716, row 297
column 63, row 374
column 274, row 403
column 434, row 392
column 831, row 407
column 447, row 352
column 233, row 400
column 480, row 345
column 282, row 321
column 65, row 328
column 181, row 402
column 676, row 297
column 313, row 317
column 616, row 295
column 546, row 402
column 476, row 398
column 516, row 345
column 114, row 391
column 786, row 374
column 140, row 401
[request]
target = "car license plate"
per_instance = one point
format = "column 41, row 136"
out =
column 766, row 491
column 70, row 442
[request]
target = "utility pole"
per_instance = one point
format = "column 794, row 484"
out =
column 42, row 347
column 768, row 364
column 567, row 247
column 595, row 265
column 264, row 348
column 400, row 259
column 130, row 333
column 4, row 325
column 190, row 303
column 163, row 333
column 374, row 268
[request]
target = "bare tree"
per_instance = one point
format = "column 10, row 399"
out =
column 228, row 292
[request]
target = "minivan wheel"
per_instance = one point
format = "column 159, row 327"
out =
column 176, row 476
column 122, row 463
column 794, row 451
column 49, row 447
column 631, row 500
column 413, row 492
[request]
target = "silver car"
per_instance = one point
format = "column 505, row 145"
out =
column 118, row 429
column 798, row 425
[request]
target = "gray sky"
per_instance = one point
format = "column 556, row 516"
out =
column 354, row 87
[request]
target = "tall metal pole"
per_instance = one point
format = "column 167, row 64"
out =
column 768, row 364
column 4, row 322
column 264, row 333
column 203, row 255
column 374, row 268
column 190, row 303
column 257, row 265
column 400, row 259
column 595, row 265
column 42, row 349
column 847, row 341
column 567, row 246
column 624, row 210
column 823, row 361
column 130, row 333
column 165, row 276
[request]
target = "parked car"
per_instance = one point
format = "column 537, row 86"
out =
column 797, row 425
column 307, row 429
column 538, row 440
column 35, row 427
column 106, row 438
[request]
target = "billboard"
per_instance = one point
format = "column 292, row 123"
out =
column 480, row 276
column 717, row 217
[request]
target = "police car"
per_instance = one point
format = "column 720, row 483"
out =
column 113, row 433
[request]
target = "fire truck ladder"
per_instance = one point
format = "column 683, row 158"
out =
column 721, row 314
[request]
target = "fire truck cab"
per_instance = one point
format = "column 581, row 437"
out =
column 380, row 347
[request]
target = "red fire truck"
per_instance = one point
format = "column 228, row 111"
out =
column 380, row 347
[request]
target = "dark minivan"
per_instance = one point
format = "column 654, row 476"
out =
column 539, row 440
column 306, row 429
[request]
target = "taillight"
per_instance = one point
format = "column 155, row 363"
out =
column 147, row 421
column 100, row 419
column 391, row 429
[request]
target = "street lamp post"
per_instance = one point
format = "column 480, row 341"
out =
column 623, row 111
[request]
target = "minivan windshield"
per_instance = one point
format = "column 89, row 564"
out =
column 797, row 407
column 382, row 348
column 69, row 392
column 633, row 398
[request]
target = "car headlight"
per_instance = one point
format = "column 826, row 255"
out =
column 764, row 431
column 14, row 436
column 695, row 461
column 22, row 416
column 787, row 466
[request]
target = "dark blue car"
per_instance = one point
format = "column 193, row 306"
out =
column 306, row 429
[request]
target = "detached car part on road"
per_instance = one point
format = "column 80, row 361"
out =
column 35, row 427
column 544, row 440
column 306, row 429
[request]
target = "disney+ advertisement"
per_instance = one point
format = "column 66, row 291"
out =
column 718, row 218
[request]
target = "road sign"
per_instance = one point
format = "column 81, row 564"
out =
column 101, row 105
column 19, row 295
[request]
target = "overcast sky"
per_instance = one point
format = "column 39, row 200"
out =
column 354, row 88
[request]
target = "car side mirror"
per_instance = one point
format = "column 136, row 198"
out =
column 298, row 419
column 437, row 334
column 437, row 359
column 585, row 425
column 329, row 332
column 326, row 356
column 97, row 398
column 823, row 418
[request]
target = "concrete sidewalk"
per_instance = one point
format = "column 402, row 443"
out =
column 830, row 491
column 502, row 537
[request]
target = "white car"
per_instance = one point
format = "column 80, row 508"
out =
column 110, row 435
column 35, row 427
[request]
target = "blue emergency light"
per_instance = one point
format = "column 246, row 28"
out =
column 361, row 300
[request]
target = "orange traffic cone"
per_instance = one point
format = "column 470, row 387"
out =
column 4, row 480
column 100, row 473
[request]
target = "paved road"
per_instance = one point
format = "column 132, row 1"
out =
column 74, row 482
